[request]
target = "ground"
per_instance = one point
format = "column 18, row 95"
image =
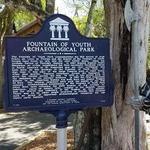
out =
column 35, row 131
column 18, row 128
column 47, row 141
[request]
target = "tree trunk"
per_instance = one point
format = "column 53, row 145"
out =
column 87, row 122
column 6, row 24
column 50, row 6
column 118, row 121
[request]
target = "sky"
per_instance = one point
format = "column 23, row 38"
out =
column 62, row 7
column 65, row 7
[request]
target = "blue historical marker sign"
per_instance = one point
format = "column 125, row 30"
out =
column 57, row 69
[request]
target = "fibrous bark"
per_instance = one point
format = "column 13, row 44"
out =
column 118, row 121
column 6, row 22
column 118, row 131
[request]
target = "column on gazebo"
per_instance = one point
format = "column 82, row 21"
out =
column 66, row 29
column 52, row 28
column 59, row 29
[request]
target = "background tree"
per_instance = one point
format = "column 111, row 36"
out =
column 87, row 123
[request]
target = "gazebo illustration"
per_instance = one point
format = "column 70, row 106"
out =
column 59, row 29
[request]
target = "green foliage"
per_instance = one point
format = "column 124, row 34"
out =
column 148, row 56
column 99, row 23
column 80, row 23
column 22, row 18
column 98, row 26
column 43, row 4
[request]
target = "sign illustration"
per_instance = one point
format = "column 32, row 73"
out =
column 59, row 25
column 57, row 69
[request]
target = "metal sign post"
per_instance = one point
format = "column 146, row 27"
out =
column 57, row 70
column 61, row 120
column 62, row 139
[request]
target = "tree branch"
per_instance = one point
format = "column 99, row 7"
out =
column 34, row 8
column 26, row 5
column 89, row 112
column 89, row 19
